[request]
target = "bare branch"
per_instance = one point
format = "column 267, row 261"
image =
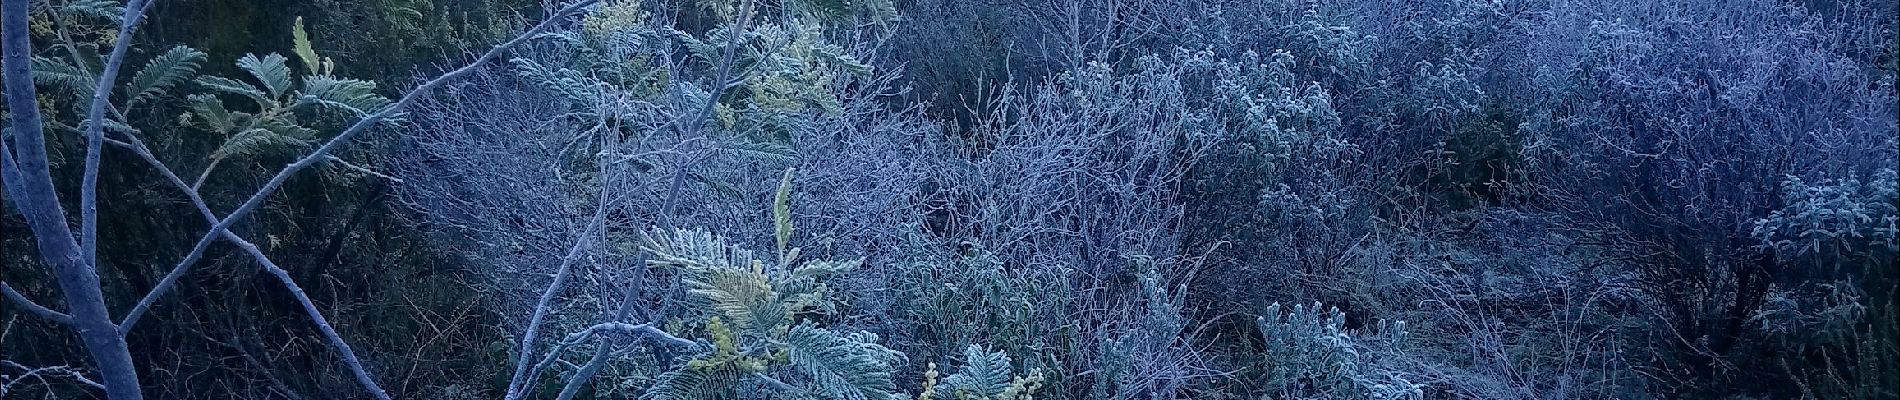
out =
column 35, row 308
column 587, row 370
column 362, row 169
column 41, row 373
column 517, row 384
column 337, row 344
column 29, row 178
column 220, row 227
column 95, row 129
column 171, row 278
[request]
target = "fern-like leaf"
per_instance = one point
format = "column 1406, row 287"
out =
column 253, row 142
column 984, row 374
column 355, row 96
column 782, row 216
column 232, row 86
column 878, row 11
column 744, row 297
column 690, row 249
column 710, row 49
column 838, row 56
column 56, row 73
column 162, row 72
column 211, row 113
column 269, row 70
column 103, row 9
column 819, row 269
column 568, row 83
column 840, row 366
column 691, row 383
column 300, row 44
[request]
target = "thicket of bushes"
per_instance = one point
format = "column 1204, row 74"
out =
column 1099, row 199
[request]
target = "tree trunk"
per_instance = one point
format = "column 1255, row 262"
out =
column 39, row 203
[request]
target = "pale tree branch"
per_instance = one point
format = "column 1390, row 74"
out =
column 40, row 374
column 516, row 385
column 29, row 179
column 587, row 370
column 365, row 170
column 171, row 278
column 32, row 307
column 220, row 227
column 95, row 129
column 336, row 342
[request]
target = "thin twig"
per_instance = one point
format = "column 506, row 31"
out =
column 171, row 278
column 221, row 227
column 526, row 352
column 35, row 308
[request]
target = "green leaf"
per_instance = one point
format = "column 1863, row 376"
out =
column 879, row 11
column 707, row 50
column 253, row 142
column 838, row 56
column 163, row 72
column 566, row 82
column 782, row 215
column 232, row 86
column 56, row 73
column 817, row 269
column 356, row 96
column 743, row 296
column 300, row 44
column 840, row 366
column 691, row 249
column 269, row 70
column 984, row 374
column 688, row 383
column 104, row 9
column 211, row 112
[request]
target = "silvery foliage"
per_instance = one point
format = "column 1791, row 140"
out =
column 1685, row 134
column 1833, row 218
column 618, row 124
column 1077, row 175
column 1299, row 120
column 1311, row 354
column 1655, row 124
column 1840, row 235
column 976, row 299
column 1076, row 183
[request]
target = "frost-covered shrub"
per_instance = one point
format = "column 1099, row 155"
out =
column 1677, row 128
column 1828, row 329
column 984, row 375
column 1831, row 339
column 760, row 319
column 626, row 121
column 1600, row 199
column 1283, row 190
column 1833, row 220
column 1059, row 198
column 1310, row 354
column 974, row 298
column 1150, row 354
column 1492, row 313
